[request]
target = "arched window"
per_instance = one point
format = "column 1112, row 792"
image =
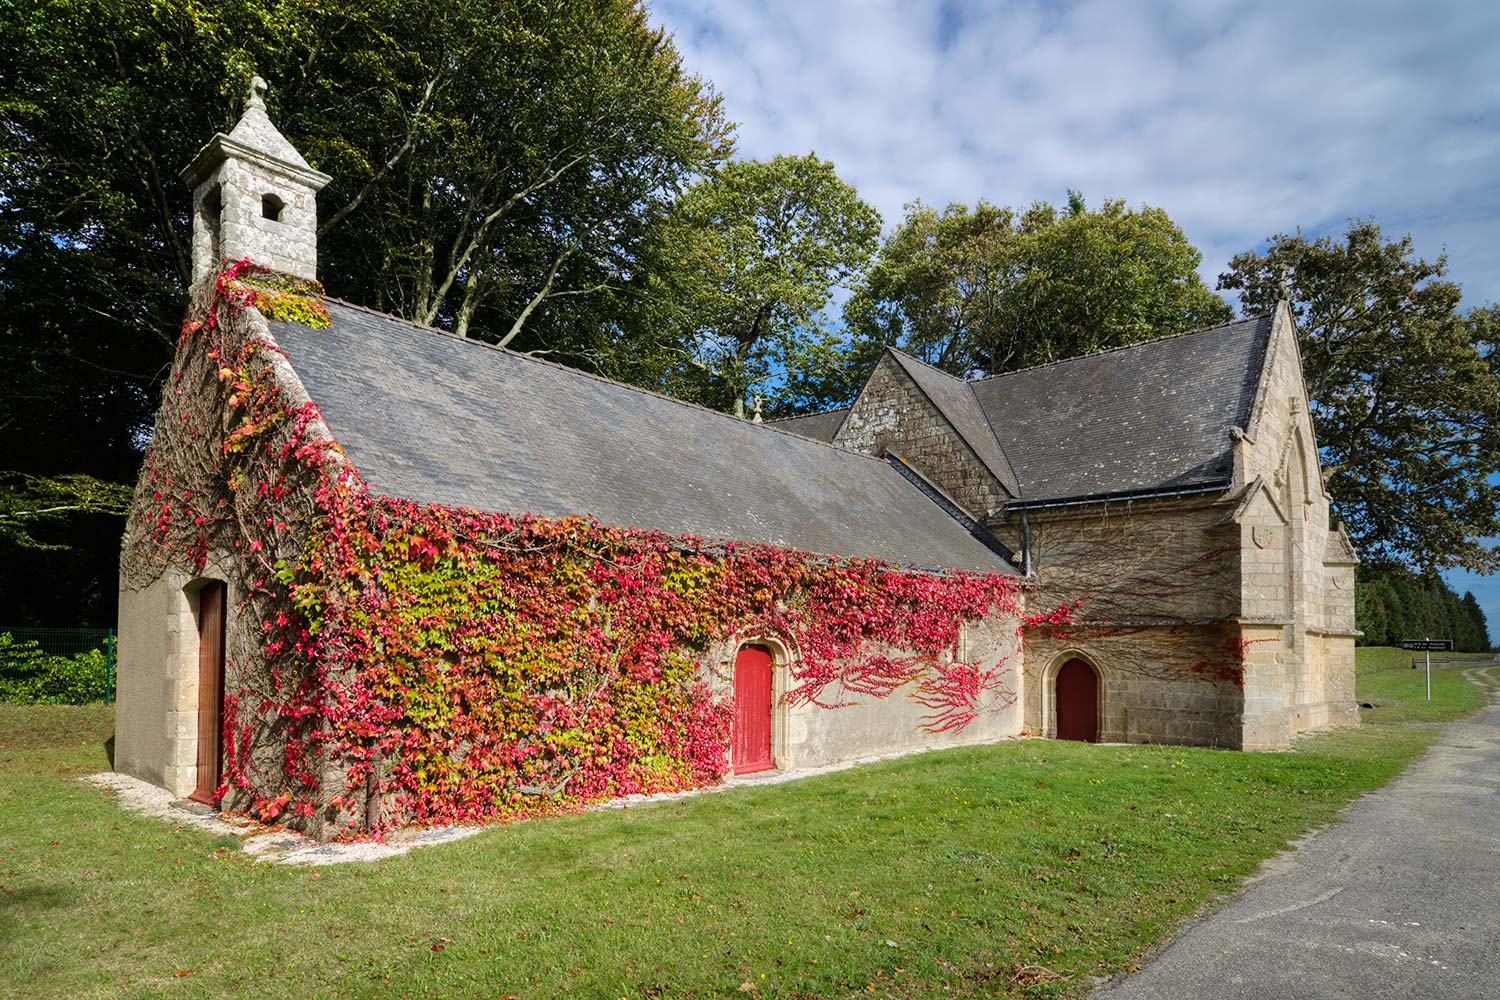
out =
column 271, row 206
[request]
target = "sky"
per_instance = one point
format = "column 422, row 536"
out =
column 1241, row 120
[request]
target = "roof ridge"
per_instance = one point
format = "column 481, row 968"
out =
column 1123, row 347
column 814, row 413
column 925, row 364
column 590, row 375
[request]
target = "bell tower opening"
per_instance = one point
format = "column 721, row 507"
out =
column 208, row 235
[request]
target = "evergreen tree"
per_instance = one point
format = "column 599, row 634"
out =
column 1477, row 622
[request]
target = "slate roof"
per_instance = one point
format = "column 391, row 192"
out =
column 818, row 426
column 1149, row 417
column 436, row 418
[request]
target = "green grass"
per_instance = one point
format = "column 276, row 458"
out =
column 1373, row 659
column 35, row 727
column 1019, row 869
column 1401, row 695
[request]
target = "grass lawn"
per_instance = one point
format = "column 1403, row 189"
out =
column 1019, row 869
column 1401, row 695
column 1373, row 659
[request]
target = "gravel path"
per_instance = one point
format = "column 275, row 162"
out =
column 1399, row 899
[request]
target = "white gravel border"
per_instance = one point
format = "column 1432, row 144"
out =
column 263, row 843
column 288, row 847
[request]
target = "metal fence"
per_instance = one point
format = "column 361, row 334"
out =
column 1459, row 660
column 68, row 642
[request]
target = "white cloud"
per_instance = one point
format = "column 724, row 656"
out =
column 1240, row 120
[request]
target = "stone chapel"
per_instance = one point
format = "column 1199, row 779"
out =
column 1165, row 496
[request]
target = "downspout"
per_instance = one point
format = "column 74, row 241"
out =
column 1025, row 546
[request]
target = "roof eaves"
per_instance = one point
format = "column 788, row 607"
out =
column 1152, row 493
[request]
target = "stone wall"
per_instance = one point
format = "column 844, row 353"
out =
column 1297, row 587
column 156, row 719
column 804, row 735
column 231, row 222
column 1145, row 697
column 1165, row 561
column 893, row 413
column 1158, row 586
column 156, row 685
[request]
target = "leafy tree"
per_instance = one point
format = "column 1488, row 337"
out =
column 992, row 289
column 758, row 248
column 1370, row 613
column 1405, row 390
column 500, row 166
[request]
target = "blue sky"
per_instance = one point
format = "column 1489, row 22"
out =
column 1241, row 120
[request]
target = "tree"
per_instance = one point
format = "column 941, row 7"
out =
column 1481, row 627
column 758, row 248
column 1392, row 603
column 1371, row 615
column 500, row 166
column 1404, row 390
column 992, row 289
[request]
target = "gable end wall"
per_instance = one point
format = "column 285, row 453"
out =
column 1297, row 610
column 156, row 728
column 892, row 412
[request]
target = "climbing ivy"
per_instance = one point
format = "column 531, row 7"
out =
column 431, row 664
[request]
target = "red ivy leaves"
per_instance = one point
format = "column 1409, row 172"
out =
column 473, row 666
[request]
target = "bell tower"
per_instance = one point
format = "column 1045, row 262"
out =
column 254, row 196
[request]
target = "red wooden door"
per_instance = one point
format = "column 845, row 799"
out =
column 752, row 710
column 210, row 690
column 1077, row 702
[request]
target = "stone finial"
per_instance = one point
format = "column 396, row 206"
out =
column 1284, row 283
column 755, row 417
column 254, row 197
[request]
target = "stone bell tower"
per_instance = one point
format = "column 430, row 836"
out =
column 254, row 196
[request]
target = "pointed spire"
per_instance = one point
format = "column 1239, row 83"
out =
column 255, row 131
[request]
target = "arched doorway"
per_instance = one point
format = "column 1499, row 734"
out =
column 751, row 750
column 1077, row 701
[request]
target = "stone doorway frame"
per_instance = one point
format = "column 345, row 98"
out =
column 781, row 661
column 1048, row 681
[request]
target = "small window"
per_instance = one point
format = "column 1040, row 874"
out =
column 212, row 218
column 271, row 206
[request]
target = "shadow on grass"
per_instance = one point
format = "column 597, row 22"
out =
column 17, row 904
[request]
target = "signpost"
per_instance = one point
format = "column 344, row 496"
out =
column 1428, row 646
